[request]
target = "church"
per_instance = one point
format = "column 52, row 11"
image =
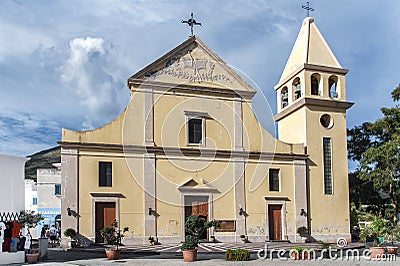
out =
column 188, row 143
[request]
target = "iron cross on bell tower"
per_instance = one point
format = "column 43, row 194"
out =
column 308, row 8
column 191, row 22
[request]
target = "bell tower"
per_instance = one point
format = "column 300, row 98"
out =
column 311, row 103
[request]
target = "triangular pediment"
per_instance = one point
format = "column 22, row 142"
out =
column 190, row 183
column 192, row 186
column 310, row 48
column 193, row 63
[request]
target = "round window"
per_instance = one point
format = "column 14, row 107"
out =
column 326, row 121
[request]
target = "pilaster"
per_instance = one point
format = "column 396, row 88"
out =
column 148, row 117
column 240, row 196
column 150, row 226
column 300, row 193
column 70, row 189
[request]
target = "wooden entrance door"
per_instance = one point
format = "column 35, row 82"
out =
column 198, row 208
column 105, row 215
column 275, row 222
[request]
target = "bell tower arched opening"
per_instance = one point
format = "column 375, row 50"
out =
column 315, row 84
column 332, row 83
column 296, row 89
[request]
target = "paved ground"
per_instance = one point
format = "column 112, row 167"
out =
column 209, row 254
column 222, row 247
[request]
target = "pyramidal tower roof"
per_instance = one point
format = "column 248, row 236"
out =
column 310, row 48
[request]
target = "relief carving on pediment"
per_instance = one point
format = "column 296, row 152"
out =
column 193, row 67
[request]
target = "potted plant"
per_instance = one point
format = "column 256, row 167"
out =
column 71, row 233
column 303, row 232
column 32, row 256
column 151, row 240
column 393, row 235
column 375, row 231
column 30, row 220
column 189, row 248
column 296, row 253
column 300, row 253
column 326, row 249
column 112, row 236
column 195, row 226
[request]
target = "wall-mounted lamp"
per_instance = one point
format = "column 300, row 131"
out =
column 72, row 213
column 303, row 212
column 150, row 211
column 241, row 211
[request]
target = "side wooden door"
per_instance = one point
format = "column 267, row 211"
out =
column 275, row 222
column 105, row 215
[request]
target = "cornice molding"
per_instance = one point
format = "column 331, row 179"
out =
column 173, row 151
column 312, row 102
column 159, row 86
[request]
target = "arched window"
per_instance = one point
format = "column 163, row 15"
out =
column 284, row 97
column 333, row 87
column 296, row 89
column 314, row 85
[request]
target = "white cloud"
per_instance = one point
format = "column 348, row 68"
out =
column 84, row 72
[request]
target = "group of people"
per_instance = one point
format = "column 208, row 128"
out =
column 52, row 233
column 11, row 239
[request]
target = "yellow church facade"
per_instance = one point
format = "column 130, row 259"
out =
column 188, row 143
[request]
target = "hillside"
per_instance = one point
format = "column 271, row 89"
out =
column 42, row 159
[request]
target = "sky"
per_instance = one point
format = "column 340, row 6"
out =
column 65, row 63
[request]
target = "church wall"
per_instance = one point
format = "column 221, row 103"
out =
column 214, row 180
column 256, row 138
column 169, row 224
column 257, row 188
column 292, row 129
column 129, row 206
column 170, row 120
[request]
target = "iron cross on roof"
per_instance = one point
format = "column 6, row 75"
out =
column 308, row 8
column 191, row 22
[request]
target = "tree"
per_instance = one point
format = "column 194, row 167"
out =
column 30, row 220
column 196, row 225
column 376, row 146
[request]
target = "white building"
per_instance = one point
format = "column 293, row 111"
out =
column 30, row 195
column 12, row 191
column 12, row 175
column 49, row 195
column 31, row 200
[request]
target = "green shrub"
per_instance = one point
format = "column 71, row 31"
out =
column 378, row 228
column 113, row 235
column 70, row 232
column 302, row 231
column 194, row 227
column 297, row 249
column 324, row 245
column 190, row 243
column 237, row 255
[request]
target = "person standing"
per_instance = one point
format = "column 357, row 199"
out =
column 2, row 228
column 53, row 236
column 43, row 232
